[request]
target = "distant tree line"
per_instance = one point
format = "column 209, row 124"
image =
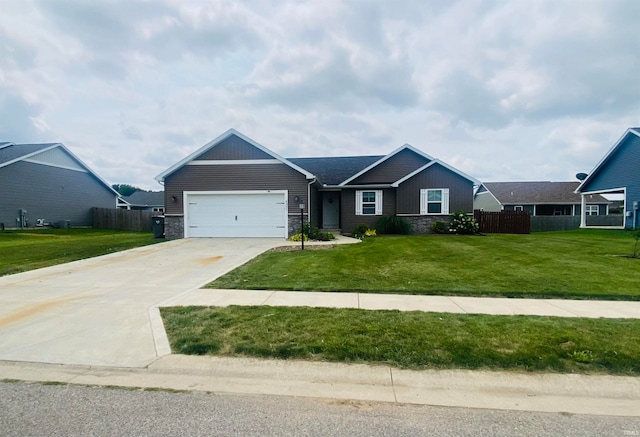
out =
column 125, row 189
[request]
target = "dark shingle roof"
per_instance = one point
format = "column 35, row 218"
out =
column 16, row 151
column 332, row 171
column 146, row 198
column 509, row 193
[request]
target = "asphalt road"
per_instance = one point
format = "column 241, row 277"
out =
column 30, row 409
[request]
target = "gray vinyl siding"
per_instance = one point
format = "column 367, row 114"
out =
column 234, row 178
column 393, row 169
column 436, row 176
column 622, row 169
column 486, row 202
column 50, row 193
column 233, row 148
column 348, row 218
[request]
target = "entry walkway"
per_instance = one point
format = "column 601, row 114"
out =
column 444, row 304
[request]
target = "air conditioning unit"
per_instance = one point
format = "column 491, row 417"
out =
column 39, row 223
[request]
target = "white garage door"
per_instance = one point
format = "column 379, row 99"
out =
column 236, row 214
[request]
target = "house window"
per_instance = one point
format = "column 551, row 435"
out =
column 434, row 201
column 592, row 210
column 518, row 208
column 369, row 202
column 158, row 209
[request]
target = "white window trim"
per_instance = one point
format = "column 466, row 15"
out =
column 424, row 201
column 378, row 194
column 589, row 208
column 518, row 208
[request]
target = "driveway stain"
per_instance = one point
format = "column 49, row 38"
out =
column 212, row 259
column 34, row 309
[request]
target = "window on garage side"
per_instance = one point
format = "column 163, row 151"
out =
column 434, row 201
column 369, row 202
column 592, row 210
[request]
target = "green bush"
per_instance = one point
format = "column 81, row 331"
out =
column 463, row 224
column 312, row 233
column 392, row 224
column 439, row 227
column 360, row 230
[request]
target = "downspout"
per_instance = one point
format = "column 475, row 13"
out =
column 309, row 199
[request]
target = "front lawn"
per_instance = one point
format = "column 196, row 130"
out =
column 414, row 340
column 582, row 264
column 33, row 249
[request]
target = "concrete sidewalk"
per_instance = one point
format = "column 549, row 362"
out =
column 445, row 304
column 575, row 394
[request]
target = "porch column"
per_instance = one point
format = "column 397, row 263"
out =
column 583, row 211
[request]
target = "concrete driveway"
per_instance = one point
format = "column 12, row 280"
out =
column 101, row 311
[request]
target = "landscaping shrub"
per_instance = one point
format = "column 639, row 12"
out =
column 439, row 227
column 463, row 224
column 312, row 233
column 392, row 224
column 360, row 231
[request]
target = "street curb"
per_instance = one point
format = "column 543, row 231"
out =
column 558, row 393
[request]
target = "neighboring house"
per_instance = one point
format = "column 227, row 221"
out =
column 618, row 172
column 47, row 184
column 538, row 198
column 235, row 187
column 143, row 200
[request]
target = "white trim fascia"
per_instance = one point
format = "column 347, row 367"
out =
column 364, row 187
column 474, row 181
column 35, row 161
column 622, row 190
column 384, row 158
column 489, row 192
column 70, row 153
column 29, row 155
column 6, row 144
column 88, row 169
column 234, row 162
column 185, row 204
column 218, row 140
column 606, row 158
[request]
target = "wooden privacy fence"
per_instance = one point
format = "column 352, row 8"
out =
column 122, row 219
column 503, row 222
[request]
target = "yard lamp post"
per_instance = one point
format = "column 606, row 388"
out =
column 302, row 224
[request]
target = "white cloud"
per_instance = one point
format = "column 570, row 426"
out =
column 503, row 90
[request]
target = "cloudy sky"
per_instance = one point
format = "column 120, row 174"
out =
column 502, row 90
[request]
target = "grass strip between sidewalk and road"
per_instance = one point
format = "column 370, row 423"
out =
column 414, row 340
column 580, row 264
column 31, row 249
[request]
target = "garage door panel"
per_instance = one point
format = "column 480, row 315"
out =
column 236, row 215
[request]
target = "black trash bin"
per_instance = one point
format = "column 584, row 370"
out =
column 158, row 226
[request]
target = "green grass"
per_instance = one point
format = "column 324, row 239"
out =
column 582, row 264
column 33, row 249
column 412, row 340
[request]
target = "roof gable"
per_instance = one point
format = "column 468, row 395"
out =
column 221, row 141
column 11, row 152
column 405, row 147
column 51, row 154
column 632, row 135
column 430, row 164
column 537, row 192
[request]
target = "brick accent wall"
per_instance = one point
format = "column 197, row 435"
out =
column 173, row 227
column 294, row 224
column 421, row 224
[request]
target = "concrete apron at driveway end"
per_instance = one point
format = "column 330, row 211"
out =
column 101, row 311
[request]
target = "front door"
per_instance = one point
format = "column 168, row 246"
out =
column 331, row 210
